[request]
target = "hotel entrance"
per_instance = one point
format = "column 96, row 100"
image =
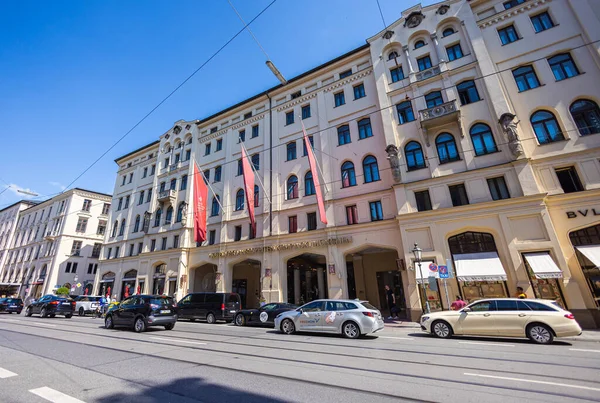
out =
column 306, row 279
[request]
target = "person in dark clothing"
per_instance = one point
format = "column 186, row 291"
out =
column 391, row 302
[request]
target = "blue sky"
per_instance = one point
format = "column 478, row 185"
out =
column 76, row 75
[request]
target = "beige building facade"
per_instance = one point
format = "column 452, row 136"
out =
column 468, row 127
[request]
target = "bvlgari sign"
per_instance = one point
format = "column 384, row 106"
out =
column 583, row 213
column 283, row 246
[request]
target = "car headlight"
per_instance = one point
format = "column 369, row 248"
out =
column 424, row 318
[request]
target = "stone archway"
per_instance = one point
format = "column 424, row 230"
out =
column 246, row 282
column 306, row 278
column 204, row 278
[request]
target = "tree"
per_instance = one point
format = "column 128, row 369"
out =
column 62, row 291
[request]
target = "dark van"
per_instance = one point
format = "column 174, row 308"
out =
column 210, row 306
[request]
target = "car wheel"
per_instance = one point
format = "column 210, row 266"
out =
column 240, row 320
column 139, row 325
column 540, row 334
column 288, row 327
column 68, row 316
column 81, row 311
column 351, row 330
column 28, row 311
column 441, row 329
column 108, row 322
column 43, row 313
column 210, row 318
column 169, row 326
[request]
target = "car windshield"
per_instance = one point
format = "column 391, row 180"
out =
column 162, row 301
column 368, row 306
column 13, row 300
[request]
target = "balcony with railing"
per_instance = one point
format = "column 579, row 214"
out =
column 439, row 115
column 174, row 167
column 166, row 196
column 428, row 73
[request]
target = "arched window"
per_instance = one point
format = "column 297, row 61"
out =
column 483, row 140
column 157, row 217
column 309, row 185
column 256, row 192
column 414, row 156
column 586, row 116
column 292, row 187
column 122, row 229
column 291, row 151
column 348, row 174
column 239, row 200
column 136, row 226
column 471, row 242
column 169, row 216
column 370, row 169
column 546, row 127
column 180, row 212
column 419, row 44
column 115, row 227
column 214, row 208
column 446, row 148
column 393, row 54
column 448, row 31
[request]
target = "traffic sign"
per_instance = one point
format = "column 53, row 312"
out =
column 443, row 270
column 433, row 267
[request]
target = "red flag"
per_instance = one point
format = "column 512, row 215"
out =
column 249, row 188
column 200, row 196
column 315, row 172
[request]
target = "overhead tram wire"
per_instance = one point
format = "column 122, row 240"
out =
column 169, row 95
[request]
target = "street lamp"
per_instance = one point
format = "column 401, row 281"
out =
column 418, row 253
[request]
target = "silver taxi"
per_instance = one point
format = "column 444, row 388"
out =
column 352, row 318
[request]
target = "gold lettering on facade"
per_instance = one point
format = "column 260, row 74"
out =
column 283, row 246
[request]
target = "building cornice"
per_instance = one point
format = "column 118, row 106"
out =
column 297, row 101
column 511, row 12
column 565, row 199
column 356, row 76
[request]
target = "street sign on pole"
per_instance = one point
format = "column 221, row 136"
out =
column 443, row 270
column 450, row 268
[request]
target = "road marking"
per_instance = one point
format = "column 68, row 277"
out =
column 486, row 344
column 4, row 373
column 54, row 395
column 582, row 349
column 396, row 338
column 9, row 320
column 44, row 324
column 178, row 340
column 28, row 321
column 566, row 385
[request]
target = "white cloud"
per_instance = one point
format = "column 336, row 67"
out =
column 58, row 185
column 16, row 189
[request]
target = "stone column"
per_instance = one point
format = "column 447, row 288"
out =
column 439, row 52
column 296, row 286
column 321, row 283
column 308, row 284
column 411, row 70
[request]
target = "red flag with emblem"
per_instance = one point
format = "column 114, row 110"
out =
column 200, row 197
column 249, row 188
column 313, row 168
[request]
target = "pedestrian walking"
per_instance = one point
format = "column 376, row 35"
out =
column 391, row 301
column 458, row 304
column 520, row 293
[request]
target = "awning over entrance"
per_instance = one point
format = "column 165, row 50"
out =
column 543, row 265
column 426, row 272
column 592, row 252
column 484, row 266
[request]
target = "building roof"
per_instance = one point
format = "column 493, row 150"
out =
column 30, row 202
column 139, row 149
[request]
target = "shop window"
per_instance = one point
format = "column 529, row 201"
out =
column 569, row 180
column 586, row 242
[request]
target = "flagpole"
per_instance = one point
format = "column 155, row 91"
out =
column 316, row 162
column 255, row 172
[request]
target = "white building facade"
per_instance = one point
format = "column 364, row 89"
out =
column 57, row 243
column 468, row 127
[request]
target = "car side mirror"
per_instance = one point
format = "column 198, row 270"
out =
column 300, row 310
column 465, row 310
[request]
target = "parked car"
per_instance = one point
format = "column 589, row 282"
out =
column 351, row 318
column 51, row 305
column 11, row 305
column 85, row 304
column 263, row 316
column 141, row 311
column 539, row 320
column 210, row 306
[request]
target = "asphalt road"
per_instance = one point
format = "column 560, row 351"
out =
column 74, row 360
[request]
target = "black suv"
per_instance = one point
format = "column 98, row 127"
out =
column 11, row 305
column 141, row 311
column 210, row 306
column 51, row 305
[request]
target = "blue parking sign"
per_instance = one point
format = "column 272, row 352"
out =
column 443, row 271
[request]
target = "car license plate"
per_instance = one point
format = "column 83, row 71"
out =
column 165, row 311
column 232, row 311
column 66, row 303
column 12, row 306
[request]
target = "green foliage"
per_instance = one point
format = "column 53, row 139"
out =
column 62, row 291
